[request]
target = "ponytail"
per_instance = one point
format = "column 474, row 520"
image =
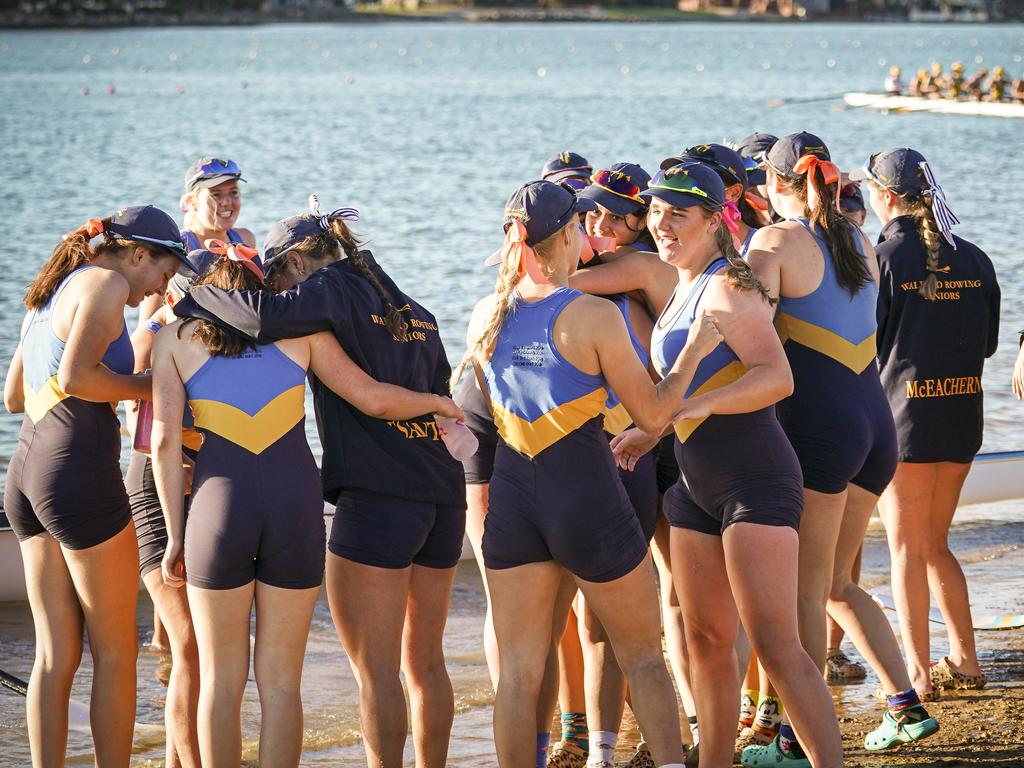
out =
column 928, row 230
column 220, row 340
column 738, row 274
column 72, row 252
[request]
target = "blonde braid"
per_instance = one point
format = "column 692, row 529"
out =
column 921, row 209
column 483, row 346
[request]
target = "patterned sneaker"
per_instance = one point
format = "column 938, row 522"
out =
column 642, row 758
column 750, row 738
column 567, row 754
column 839, row 668
column 946, row 678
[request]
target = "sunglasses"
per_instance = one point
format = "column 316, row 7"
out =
column 217, row 168
column 678, row 180
column 619, row 184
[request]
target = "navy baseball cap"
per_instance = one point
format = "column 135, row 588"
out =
column 726, row 161
column 567, row 165
column 288, row 233
column 895, row 169
column 618, row 188
column 851, row 198
column 211, row 171
column 756, row 145
column 544, row 208
column 201, row 261
column 148, row 224
column 756, row 175
column 788, row 150
column 688, row 184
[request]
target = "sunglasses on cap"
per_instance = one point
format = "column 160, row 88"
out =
column 677, row 180
column 217, row 167
column 178, row 246
column 619, row 184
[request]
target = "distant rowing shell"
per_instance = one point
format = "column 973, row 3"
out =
column 881, row 102
column 995, row 621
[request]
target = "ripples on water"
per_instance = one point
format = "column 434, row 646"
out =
column 427, row 128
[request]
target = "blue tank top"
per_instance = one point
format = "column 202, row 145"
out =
column 252, row 400
column 42, row 351
column 537, row 396
column 616, row 417
column 192, row 241
column 829, row 320
column 745, row 246
column 718, row 369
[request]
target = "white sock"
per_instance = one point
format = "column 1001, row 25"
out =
column 673, row 765
column 602, row 747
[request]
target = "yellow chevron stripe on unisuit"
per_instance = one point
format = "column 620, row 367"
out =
column 38, row 404
column 254, row 433
column 726, row 375
column 531, row 437
column 617, row 419
column 856, row 357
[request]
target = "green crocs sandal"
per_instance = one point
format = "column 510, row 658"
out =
column 772, row 755
column 896, row 730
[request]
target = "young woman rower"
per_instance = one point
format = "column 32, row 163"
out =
column 255, row 531
column 400, row 496
column 64, row 497
column 555, row 499
column 938, row 293
column 739, row 489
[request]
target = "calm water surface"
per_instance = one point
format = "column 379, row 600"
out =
column 427, row 128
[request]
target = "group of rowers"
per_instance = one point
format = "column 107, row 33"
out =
column 933, row 83
column 676, row 373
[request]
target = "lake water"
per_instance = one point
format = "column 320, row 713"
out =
column 427, row 128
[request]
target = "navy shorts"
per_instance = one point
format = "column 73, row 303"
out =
column 839, row 423
column 150, row 529
column 65, row 477
column 641, row 486
column 665, row 463
column 736, row 469
column 479, row 467
column 255, row 517
column 568, row 505
column 390, row 532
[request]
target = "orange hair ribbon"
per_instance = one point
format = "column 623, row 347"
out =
column 518, row 254
column 591, row 245
column 243, row 254
column 829, row 172
column 756, row 202
column 90, row 229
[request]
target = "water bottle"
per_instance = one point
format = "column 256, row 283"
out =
column 460, row 442
column 144, row 427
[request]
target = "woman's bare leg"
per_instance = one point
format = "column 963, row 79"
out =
column 476, row 511
column 819, row 531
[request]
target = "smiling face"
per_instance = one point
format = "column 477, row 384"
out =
column 624, row 229
column 148, row 273
column 215, row 209
column 679, row 233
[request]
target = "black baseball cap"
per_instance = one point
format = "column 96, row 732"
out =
column 851, row 198
column 726, row 161
column 152, row 226
column 567, row 165
column 688, row 184
column 788, row 150
column 896, row 169
column 617, row 188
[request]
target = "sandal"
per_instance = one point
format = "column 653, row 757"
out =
column 899, row 729
column 947, row 678
column 567, row 754
column 772, row 755
column 839, row 668
column 750, row 738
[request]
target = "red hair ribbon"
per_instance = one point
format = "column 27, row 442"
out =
column 519, row 255
column 829, row 172
column 90, row 229
column 243, row 254
column 731, row 214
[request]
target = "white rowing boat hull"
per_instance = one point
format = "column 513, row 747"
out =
column 885, row 103
column 993, row 477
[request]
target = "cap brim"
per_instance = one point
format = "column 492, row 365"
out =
column 620, row 206
column 494, row 259
column 557, row 176
column 859, row 174
column 212, row 181
column 757, row 177
column 677, row 199
column 670, row 162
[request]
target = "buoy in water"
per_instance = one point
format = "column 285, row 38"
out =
column 349, row 79
column 179, row 88
column 84, row 91
column 111, row 90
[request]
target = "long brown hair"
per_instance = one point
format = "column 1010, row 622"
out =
column 851, row 267
column 75, row 251
column 738, row 274
column 220, row 340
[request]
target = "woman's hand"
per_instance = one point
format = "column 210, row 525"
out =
column 704, row 336
column 173, row 565
column 695, row 408
column 627, row 447
column 1018, row 375
column 447, row 407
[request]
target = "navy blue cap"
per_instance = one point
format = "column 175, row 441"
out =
column 790, row 148
column 688, row 184
column 288, row 233
column 211, row 171
column 201, row 261
column 895, row 169
column 149, row 225
column 726, row 161
column 851, row 198
column 756, row 175
column 756, row 145
column 618, row 187
column 566, row 165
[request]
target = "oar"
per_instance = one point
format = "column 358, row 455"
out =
column 995, row 621
column 78, row 713
column 801, row 100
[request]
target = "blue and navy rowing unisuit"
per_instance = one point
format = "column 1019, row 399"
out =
column 256, row 511
column 737, row 468
column 745, row 245
column 837, row 418
column 555, row 493
column 65, row 478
